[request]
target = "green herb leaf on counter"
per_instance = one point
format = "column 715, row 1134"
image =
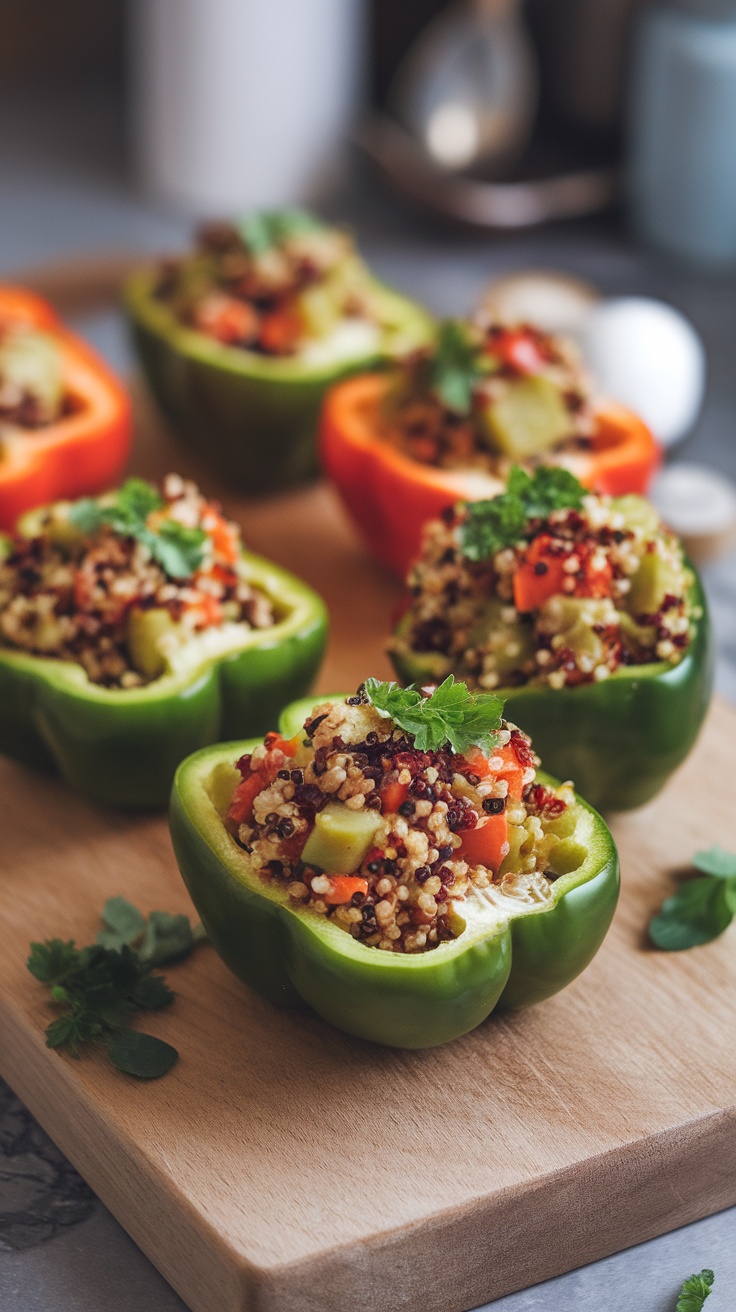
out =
column 452, row 716
column 694, row 1292
column 261, row 231
column 140, row 1054
column 99, row 990
column 159, row 940
column 179, row 550
column 489, row 526
column 702, row 908
column 456, row 367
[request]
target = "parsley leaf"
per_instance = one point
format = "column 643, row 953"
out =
column 501, row 522
column 452, row 716
column 694, row 1292
column 160, row 939
column 702, row 908
column 264, row 229
column 456, row 367
column 179, row 550
column 98, row 989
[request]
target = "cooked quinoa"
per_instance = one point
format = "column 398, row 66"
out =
column 422, row 822
column 582, row 593
column 276, row 284
column 525, row 395
column 103, row 599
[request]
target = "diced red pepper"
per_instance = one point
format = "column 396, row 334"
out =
column 488, row 843
column 392, row 796
column 241, row 806
column 343, row 888
column 288, row 746
column 540, row 575
column 518, row 350
column 280, row 331
column 227, row 319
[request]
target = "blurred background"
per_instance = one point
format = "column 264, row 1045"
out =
column 463, row 140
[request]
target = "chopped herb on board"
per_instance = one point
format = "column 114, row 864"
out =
column 694, row 1292
column 98, row 989
column 701, row 908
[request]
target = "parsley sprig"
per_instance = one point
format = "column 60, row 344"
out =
column 501, row 522
column 702, row 908
column 267, row 228
column 179, row 550
column 694, row 1292
column 451, row 717
column 456, row 367
column 99, row 988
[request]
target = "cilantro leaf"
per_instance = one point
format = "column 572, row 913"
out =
column 452, row 716
column 694, row 1292
column 160, row 939
column 489, row 526
column 456, row 367
column 178, row 549
column 702, row 908
column 267, row 228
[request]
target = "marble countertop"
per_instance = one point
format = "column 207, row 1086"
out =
column 64, row 191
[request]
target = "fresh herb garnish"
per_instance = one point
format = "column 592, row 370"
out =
column 179, row 550
column 701, row 908
column 99, row 988
column 694, row 1292
column 452, row 716
column 491, row 525
column 159, row 940
column 456, row 367
column 260, row 231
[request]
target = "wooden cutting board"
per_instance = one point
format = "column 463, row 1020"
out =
column 284, row 1167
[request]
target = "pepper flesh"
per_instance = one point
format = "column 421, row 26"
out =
column 621, row 739
column 418, row 1000
column 254, row 416
column 80, row 453
column 391, row 497
column 122, row 746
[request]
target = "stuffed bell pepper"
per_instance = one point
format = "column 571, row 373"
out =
column 394, row 860
column 584, row 612
column 451, row 420
column 65, row 422
column 240, row 339
column 134, row 629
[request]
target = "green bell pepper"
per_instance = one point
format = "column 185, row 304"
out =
column 254, row 416
column 293, row 957
column 122, row 746
column 619, row 740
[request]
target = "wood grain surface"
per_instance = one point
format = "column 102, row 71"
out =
column 284, row 1167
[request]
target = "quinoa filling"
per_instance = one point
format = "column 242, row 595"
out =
column 277, row 284
column 395, row 844
column 121, row 583
column 487, row 394
column 32, row 393
column 581, row 593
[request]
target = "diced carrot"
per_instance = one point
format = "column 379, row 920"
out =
column 241, row 806
column 487, row 844
column 289, row 746
column 539, row 576
column 343, row 888
column 392, row 796
column 224, row 535
column 226, row 319
column 280, row 331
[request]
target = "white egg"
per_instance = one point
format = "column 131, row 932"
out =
column 648, row 356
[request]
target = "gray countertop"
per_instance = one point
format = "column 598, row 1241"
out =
column 63, row 190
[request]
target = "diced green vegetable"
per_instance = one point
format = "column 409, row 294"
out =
column 653, row 581
column 146, row 628
column 638, row 513
column 529, row 418
column 512, row 644
column 341, row 838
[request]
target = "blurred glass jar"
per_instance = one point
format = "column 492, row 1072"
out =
column 240, row 104
column 682, row 130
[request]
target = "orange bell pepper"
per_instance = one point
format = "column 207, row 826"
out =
column 343, row 888
column 85, row 450
column 392, row 796
column 391, row 496
column 539, row 576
